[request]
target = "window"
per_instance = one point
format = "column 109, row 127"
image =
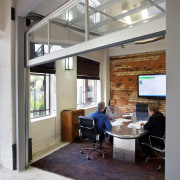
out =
column 42, row 94
column 88, row 82
column 42, row 49
column 88, row 93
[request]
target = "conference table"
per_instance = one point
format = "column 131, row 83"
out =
column 124, row 134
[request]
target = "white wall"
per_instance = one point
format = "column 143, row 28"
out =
column 24, row 7
column 66, row 91
column 140, row 48
column 7, row 106
column 42, row 133
column 173, row 89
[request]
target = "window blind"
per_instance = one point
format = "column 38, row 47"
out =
column 44, row 68
column 87, row 69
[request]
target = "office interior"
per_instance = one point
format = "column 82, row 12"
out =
column 13, row 110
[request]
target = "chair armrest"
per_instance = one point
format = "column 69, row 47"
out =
column 156, row 138
column 158, row 142
column 80, row 133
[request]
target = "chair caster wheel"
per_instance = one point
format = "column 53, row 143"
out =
column 88, row 158
column 81, row 152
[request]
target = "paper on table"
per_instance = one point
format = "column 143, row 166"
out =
column 119, row 121
column 136, row 125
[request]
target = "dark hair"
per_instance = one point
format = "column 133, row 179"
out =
column 101, row 105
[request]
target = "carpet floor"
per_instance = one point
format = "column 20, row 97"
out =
column 69, row 162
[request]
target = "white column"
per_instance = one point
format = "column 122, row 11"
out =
column 173, row 90
column 21, row 121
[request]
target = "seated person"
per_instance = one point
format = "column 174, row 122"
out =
column 155, row 126
column 112, row 110
column 101, row 120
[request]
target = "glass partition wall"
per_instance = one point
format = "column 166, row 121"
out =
column 69, row 25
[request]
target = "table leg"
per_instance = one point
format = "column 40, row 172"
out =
column 124, row 149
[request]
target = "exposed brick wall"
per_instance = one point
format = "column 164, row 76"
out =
column 123, row 77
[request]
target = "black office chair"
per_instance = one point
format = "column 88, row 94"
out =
column 88, row 132
column 157, row 144
column 141, row 111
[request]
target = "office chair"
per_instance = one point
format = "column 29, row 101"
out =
column 141, row 111
column 88, row 132
column 157, row 144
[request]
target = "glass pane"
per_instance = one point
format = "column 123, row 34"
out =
column 92, row 92
column 107, row 17
column 110, row 26
column 163, row 5
column 71, row 14
column 96, row 18
column 87, row 92
column 37, row 96
column 123, row 6
column 67, row 28
column 141, row 16
column 38, row 42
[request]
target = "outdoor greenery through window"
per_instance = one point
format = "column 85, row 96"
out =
column 42, row 103
column 88, row 92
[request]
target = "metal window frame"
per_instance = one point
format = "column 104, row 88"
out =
column 45, row 87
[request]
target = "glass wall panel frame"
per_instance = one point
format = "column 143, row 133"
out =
column 91, row 26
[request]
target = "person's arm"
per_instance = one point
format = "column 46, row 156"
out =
column 108, row 125
column 149, row 124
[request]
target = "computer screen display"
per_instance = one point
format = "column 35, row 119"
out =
column 152, row 86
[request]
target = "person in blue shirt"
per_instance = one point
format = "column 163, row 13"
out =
column 101, row 120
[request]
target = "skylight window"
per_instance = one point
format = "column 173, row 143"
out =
column 128, row 20
column 69, row 15
column 144, row 13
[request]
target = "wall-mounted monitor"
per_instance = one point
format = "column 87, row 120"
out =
column 152, row 86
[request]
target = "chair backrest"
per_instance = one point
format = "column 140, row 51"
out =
column 88, row 128
column 141, row 111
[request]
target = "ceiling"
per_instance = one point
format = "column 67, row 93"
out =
column 105, row 16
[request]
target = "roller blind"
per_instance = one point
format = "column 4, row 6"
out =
column 87, row 69
column 44, row 68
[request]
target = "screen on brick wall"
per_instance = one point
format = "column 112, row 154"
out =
column 152, row 86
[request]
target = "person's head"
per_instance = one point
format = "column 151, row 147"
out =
column 112, row 103
column 101, row 106
column 152, row 109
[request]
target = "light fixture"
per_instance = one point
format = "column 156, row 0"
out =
column 69, row 63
